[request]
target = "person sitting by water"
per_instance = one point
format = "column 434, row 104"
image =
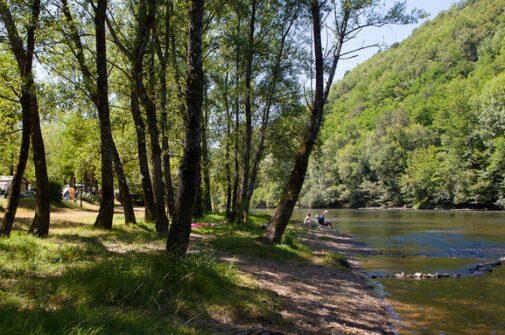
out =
column 321, row 220
column 308, row 220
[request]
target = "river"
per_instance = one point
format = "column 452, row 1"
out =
column 433, row 241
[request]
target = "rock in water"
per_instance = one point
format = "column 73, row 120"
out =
column 400, row 275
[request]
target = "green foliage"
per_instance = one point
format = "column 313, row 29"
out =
column 420, row 124
column 55, row 191
column 428, row 179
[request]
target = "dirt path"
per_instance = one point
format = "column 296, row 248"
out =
column 317, row 299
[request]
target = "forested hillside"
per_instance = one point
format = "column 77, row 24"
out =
column 421, row 124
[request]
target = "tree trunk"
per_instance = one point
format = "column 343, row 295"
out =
column 206, row 193
column 180, row 230
column 93, row 93
column 167, row 170
column 140, row 131
column 146, row 18
column 198, row 207
column 242, row 215
column 40, row 223
column 163, row 62
column 290, row 194
column 235, row 190
column 266, row 118
column 227, row 165
column 13, row 200
column 106, row 212
column 126, row 198
column 24, row 59
column 161, row 219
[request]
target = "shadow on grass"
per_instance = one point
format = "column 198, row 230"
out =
column 254, row 247
column 24, row 223
column 82, row 288
column 85, row 320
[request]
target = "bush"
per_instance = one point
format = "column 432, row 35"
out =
column 55, row 191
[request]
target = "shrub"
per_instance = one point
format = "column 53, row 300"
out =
column 55, row 191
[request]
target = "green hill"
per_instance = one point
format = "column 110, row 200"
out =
column 423, row 123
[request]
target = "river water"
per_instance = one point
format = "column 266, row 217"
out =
column 428, row 242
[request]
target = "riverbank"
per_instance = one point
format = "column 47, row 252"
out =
column 83, row 280
column 319, row 287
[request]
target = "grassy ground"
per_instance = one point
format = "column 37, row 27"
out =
column 86, row 281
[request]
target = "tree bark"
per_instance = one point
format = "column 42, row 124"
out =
column 227, row 165
column 106, row 212
column 206, row 194
column 180, row 230
column 158, row 184
column 92, row 90
column 266, row 116
column 198, row 207
column 163, row 54
column 277, row 225
column 235, row 189
column 24, row 59
column 140, row 130
column 40, row 223
column 13, row 199
column 242, row 215
column 146, row 17
column 126, row 199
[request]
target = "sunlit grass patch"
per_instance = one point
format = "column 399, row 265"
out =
column 247, row 245
column 216, row 224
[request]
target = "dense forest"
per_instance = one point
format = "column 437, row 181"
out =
column 421, row 124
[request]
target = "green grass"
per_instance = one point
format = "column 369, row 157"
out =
column 253, row 247
column 245, row 239
column 83, row 280
column 337, row 260
column 86, row 281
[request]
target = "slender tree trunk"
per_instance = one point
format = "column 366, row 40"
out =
column 206, row 194
column 140, row 131
column 284, row 209
column 167, row 170
column 163, row 60
column 161, row 218
column 146, row 19
column 227, row 165
column 242, row 216
column 13, row 199
column 93, row 93
column 198, row 207
column 40, row 224
column 235, row 189
column 180, row 230
column 126, row 199
column 24, row 59
column 106, row 212
column 266, row 117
